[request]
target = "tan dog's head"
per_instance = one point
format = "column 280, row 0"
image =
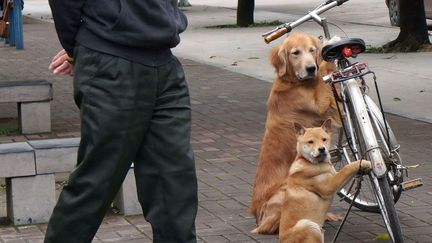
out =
column 298, row 58
column 313, row 143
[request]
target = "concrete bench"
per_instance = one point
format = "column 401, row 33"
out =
column 33, row 99
column 30, row 168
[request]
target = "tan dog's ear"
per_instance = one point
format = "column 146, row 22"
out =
column 279, row 60
column 327, row 126
column 318, row 45
column 299, row 129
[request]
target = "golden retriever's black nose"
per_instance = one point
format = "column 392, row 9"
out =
column 311, row 69
column 322, row 150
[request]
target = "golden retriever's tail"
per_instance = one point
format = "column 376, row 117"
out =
column 304, row 231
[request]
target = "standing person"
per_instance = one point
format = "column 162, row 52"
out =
column 134, row 106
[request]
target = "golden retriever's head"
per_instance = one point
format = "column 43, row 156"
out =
column 298, row 58
column 313, row 143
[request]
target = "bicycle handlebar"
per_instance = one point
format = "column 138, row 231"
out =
column 287, row 27
column 277, row 33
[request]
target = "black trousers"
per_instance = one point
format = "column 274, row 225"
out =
column 129, row 112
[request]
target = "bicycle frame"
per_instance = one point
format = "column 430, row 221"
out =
column 351, row 88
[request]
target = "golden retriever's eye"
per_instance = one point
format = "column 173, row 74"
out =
column 312, row 49
column 295, row 52
column 310, row 142
column 324, row 139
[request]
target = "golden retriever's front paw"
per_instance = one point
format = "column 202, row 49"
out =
column 365, row 165
column 333, row 217
column 255, row 231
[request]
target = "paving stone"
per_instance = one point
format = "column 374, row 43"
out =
column 30, row 199
column 215, row 238
column 35, row 117
column 127, row 199
column 16, row 159
column 25, row 91
column 55, row 155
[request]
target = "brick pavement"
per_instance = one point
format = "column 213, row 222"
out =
column 228, row 120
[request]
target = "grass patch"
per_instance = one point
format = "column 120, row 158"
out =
column 373, row 49
column 6, row 130
column 381, row 49
column 264, row 23
column 8, row 126
column 5, row 222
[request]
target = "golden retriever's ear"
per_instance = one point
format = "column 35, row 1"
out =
column 327, row 126
column 318, row 45
column 279, row 60
column 299, row 129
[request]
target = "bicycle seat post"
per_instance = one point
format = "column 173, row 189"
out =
column 325, row 28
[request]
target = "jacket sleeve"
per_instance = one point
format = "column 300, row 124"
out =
column 67, row 20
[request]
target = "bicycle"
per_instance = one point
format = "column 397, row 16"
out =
column 365, row 133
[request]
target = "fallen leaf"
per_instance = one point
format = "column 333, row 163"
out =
column 390, row 57
column 396, row 99
column 412, row 166
column 383, row 236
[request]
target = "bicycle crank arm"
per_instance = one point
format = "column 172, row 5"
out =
column 411, row 184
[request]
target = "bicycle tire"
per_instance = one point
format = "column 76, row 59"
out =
column 388, row 211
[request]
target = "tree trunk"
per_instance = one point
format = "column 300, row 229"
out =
column 184, row 3
column 413, row 28
column 245, row 12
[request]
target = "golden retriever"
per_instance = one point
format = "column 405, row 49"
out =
column 298, row 95
column 306, row 194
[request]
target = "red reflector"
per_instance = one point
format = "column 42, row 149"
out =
column 347, row 52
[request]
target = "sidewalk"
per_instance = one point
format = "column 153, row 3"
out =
column 229, row 111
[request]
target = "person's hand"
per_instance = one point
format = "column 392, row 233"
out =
column 60, row 64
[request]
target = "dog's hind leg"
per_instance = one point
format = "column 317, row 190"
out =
column 269, row 225
column 270, row 214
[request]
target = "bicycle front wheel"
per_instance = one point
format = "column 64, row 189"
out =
column 369, row 148
column 366, row 200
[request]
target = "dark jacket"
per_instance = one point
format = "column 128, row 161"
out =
column 139, row 30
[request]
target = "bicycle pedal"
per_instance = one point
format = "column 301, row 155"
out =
column 411, row 184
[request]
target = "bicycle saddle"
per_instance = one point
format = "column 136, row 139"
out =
column 353, row 46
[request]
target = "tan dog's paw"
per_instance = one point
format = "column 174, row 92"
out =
column 365, row 165
column 333, row 217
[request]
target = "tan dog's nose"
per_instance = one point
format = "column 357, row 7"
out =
column 310, row 69
column 322, row 150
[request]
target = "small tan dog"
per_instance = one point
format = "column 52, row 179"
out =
column 303, row 199
column 298, row 95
